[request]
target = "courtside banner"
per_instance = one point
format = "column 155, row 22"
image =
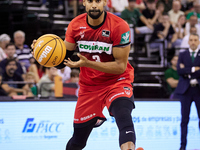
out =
column 48, row 125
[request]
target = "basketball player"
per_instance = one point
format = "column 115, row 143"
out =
column 103, row 40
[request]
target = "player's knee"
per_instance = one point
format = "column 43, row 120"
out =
column 73, row 145
column 121, row 110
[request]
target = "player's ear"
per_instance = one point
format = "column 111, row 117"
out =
column 104, row 2
column 84, row 2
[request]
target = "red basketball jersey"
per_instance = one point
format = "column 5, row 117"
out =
column 96, row 43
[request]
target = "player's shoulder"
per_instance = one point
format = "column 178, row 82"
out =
column 116, row 20
column 80, row 19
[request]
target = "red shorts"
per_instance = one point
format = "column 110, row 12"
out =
column 91, row 101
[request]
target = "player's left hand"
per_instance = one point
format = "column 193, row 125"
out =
column 75, row 64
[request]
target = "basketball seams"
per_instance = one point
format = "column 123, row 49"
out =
column 61, row 52
column 42, row 48
column 52, row 51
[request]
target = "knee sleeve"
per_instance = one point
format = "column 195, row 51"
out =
column 80, row 136
column 121, row 110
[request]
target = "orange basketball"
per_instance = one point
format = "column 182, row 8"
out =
column 49, row 50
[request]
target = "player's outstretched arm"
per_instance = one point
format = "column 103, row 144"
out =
column 115, row 67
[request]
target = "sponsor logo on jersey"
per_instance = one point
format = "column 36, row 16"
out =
column 125, row 38
column 82, row 34
column 82, row 27
column 45, row 53
column 105, row 33
column 94, row 47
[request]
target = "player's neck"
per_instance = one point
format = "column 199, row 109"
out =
column 96, row 22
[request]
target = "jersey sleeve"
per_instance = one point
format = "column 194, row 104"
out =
column 121, row 35
column 69, row 35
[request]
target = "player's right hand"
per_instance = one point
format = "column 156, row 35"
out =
column 33, row 45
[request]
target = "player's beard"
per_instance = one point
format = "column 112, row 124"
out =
column 90, row 13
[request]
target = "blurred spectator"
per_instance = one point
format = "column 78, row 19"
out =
column 10, row 51
column 159, row 12
column 186, row 6
column 163, row 36
column 60, row 4
column 184, row 43
column 74, row 76
column 180, row 27
column 2, row 91
column 11, row 75
column 150, row 12
column 22, row 50
column 175, row 12
column 196, row 10
column 64, row 73
column 46, row 83
column 4, row 40
column 167, row 4
column 193, row 22
column 38, row 70
column 118, row 6
column 171, row 76
column 74, row 79
column 132, row 16
column 73, row 3
column 140, row 5
column 30, row 78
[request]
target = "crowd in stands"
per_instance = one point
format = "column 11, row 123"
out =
column 166, row 25
column 21, row 74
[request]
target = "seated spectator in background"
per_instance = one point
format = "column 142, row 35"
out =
column 64, row 73
column 160, row 7
column 167, row 4
column 60, row 4
column 46, row 83
column 184, row 44
column 132, row 16
column 172, row 77
column 175, row 12
column 74, row 76
column 140, row 5
column 117, row 6
column 22, row 50
column 10, row 51
column 72, row 89
column 150, row 10
column 73, row 3
column 11, row 75
column 30, row 77
column 2, row 91
column 186, row 6
column 38, row 70
column 180, row 27
column 4, row 40
column 196, row 10
column 193, row 22
column 163, row 32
